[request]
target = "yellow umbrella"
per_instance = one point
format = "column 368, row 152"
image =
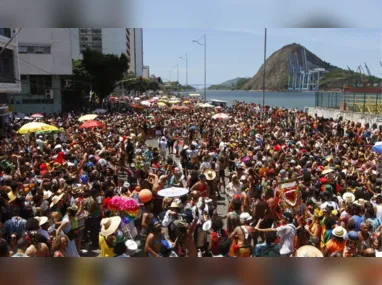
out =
column 161, row 104
column 36, row 127
column 186, row 102
column 163, row 100
column 87, row 117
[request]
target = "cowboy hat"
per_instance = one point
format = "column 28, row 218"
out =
column 56, row 199
column 348, row 197
column 326, row 171
column 174, row 204
column 210, row 174
column 41, row 220
column 339, row 232
column 245, row 216
column 47, row 194
column 110, row 225
column 360, row 202
column 207, row 225
column 308, row 251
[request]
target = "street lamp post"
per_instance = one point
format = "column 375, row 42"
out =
column 186, row 59
column 265, row 57
column 177, row 72
column 205, row 63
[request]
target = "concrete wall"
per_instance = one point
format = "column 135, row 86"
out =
column 59, row 61
column 335, row 114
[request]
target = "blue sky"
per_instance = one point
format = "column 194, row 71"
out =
column 239, row 52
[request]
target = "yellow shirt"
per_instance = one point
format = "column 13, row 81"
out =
column 106, row 250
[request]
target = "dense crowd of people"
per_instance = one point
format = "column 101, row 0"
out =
column 57, row 188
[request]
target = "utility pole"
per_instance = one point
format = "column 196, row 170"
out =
column 186, row 59
column 265, row 57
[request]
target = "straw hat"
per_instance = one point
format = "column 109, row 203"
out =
column 210, row 174
column 308, row 251
column 326, row 171
column 207, row 225
column 360, row 202
column 109, row 225
column 41, row 220
column 56, row 199
column 339, row 232
column 174, row 204
column 47, row 194
column 348, row 197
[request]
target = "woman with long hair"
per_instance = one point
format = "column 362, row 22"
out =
column 59, row 246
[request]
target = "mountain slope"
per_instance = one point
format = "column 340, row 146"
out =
column 277, row 70
column 236, row 83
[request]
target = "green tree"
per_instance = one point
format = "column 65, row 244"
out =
column 105, row 70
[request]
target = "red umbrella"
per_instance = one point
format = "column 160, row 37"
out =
column 92, row 124
column 37, row 115
column 136, row 106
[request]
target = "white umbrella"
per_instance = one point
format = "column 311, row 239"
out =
column 99, row 111
column 137, row 98
column 173, row 192
column 206, row 105
column 220, row 116
column 145, row 103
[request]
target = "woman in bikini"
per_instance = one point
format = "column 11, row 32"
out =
column 155, row 240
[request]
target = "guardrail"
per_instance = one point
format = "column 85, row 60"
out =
column 350, row 101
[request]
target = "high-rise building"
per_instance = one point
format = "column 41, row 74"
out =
column 44, row 56
column 136, row 51
column 146, row 71
column 9, row 71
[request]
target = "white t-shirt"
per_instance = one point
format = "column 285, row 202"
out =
column 329, row 203
column 163, row 145
column 286, row 234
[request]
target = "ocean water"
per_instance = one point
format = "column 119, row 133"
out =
column 281, row 99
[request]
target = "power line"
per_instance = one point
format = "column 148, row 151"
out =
column 11, row 39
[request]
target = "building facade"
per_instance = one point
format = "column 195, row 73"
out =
column 44, row 56
column 9, row 71
column 146, row 71
column 136, row 51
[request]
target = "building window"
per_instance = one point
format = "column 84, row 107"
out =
column 83, row 38
column 38, row 101
column 83, row 31
column 97, row 31
column 35, row 49
column 97, row 39
column 38, row 84
column 6, row 67
column 5, row 32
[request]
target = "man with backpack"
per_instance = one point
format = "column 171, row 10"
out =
column 269, row 248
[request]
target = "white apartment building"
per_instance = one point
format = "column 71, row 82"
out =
column 9, row 71
column 111, row 41
column 136, row 51
column 146, row 71
column 45, row 54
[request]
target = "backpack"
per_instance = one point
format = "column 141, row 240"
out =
column 270, row 251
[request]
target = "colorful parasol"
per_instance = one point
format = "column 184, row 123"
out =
column 92, row 124
column 220, row 116
column 173, row 192
column 36, row 127
column 87, row 117
column 37, row 115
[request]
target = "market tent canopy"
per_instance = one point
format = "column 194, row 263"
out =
column 36, row 127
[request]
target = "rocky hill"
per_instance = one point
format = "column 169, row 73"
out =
column 276, row 73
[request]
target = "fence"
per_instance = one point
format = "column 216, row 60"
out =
column 352, row 102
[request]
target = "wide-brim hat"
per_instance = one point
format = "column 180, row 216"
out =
column 348, row 197
column 210, row 174
column 56, row 199
column 360, row 202
column 326, row 171
column 174, row 204
column 110, row 225
column 47, row 194
column 42, row 220
column 339, row 232
column 207, row 225
column 308, row 251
